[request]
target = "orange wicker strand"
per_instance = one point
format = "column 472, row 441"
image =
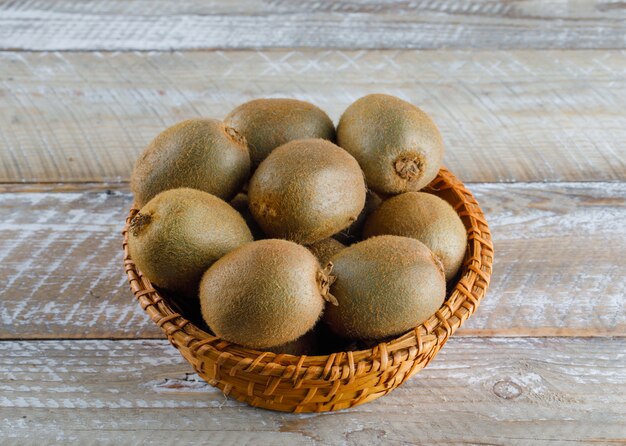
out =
column 340, row 380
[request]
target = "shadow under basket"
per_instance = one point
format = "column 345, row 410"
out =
column 339, row 380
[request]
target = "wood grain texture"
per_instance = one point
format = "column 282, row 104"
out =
column 64, row 187
column 559, row 266
column 505, row 116
column 477, row 391
column 167, row 24
column 60, row 257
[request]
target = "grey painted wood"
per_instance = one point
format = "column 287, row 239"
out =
column 441, row 24
column 493, row 391
column 504, row 116
column 559, row 266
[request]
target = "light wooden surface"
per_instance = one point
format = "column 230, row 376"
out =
column 529, row 96
column 131, row 392
column 61, row 257
column 166, row 24
column 505, row 116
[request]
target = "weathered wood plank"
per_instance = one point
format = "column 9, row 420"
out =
column 64, row 187
column 505, row 116
column 477, row 391
column 559, row 265
column 167, row 24
column 559, row 269
column 60, row 258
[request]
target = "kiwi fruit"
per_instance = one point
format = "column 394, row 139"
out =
column 178, row 234
column 202, row 154
column 384, row 286
column 353, row 233
column 304, row 345
column 269, row 123
column 325, row 249
column 397, row 145
column 306, row 191
column 264, row 294
column 424, row 217
column 240, row 203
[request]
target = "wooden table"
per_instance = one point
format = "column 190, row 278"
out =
column 530, row 97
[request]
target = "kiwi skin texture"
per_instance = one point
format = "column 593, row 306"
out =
column 202, row 154
column 178, row 234
column 240, row 203
column 424, row 217
column 263, row 294
column 397, row 145
column 270, row 123
column 306, row 191
column 385, row 286
column 353, row 233
column 325, row 249
column 306, row 344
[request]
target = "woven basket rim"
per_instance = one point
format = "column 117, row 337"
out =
column 461, row 302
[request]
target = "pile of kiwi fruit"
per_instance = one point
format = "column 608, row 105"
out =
column 275, row 230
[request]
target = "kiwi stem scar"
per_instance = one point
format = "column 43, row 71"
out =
column 325, row 280
column 235, row 135
column 408, row 167
column 138, row 222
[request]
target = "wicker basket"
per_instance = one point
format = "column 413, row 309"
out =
column 339, row 380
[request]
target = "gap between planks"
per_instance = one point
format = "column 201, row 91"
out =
column 519, row 333
column 124, row 186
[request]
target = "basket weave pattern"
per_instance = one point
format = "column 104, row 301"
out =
column 339, row 380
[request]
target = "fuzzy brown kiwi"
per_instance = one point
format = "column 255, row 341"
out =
column 269, row 123
column 353, row 233
column 178, row 234
column 397, row 145
column 325, row 249
column 240, row 203
column 264, row 294
column 306, row 344
column 384, row 287
column 424, row 217
column 202, row 154
column 306, row 190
